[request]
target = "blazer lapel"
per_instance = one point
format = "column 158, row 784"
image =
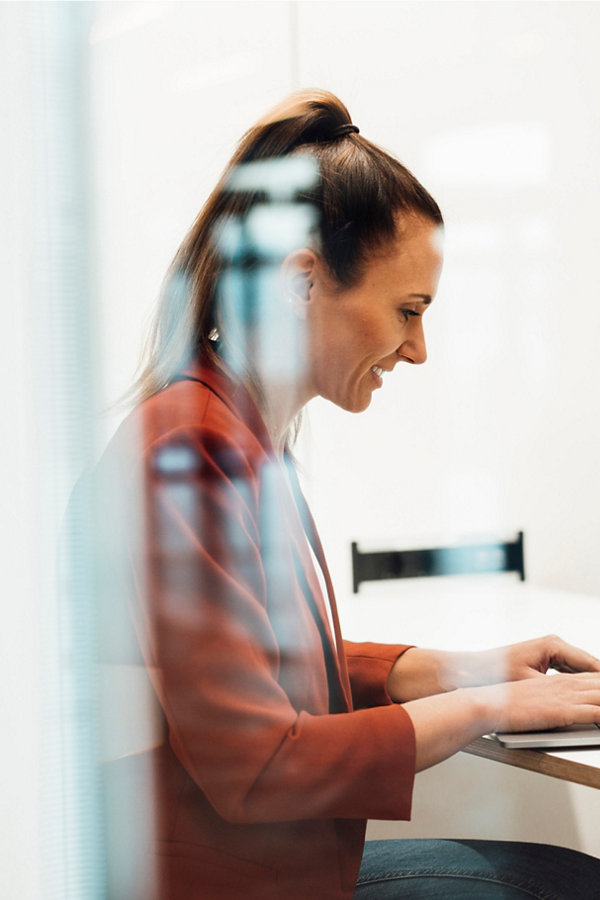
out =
column 300, row 523
column 305, row 526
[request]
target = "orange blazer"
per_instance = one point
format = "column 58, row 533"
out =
column 280, row 737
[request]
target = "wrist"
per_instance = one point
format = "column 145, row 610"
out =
column 414, row 675
column 485, row 705
column 448, row 722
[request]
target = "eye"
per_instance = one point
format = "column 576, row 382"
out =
column 408, row 313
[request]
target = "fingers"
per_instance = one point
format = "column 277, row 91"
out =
column 578, row 696
column 588, row 715
column 567, row 658
column 551, row 652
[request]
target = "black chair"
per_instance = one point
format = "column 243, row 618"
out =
column 461, row 559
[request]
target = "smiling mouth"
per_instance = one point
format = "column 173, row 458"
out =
column 377, row 372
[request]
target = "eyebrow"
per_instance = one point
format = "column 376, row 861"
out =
column 426, row 298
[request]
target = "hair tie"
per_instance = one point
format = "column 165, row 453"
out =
column 343, row 130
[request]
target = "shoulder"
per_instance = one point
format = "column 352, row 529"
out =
column 189, row 430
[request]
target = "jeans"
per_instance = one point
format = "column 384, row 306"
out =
column 475, row 870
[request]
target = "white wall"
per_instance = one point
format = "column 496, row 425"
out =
column 494, row 106
column 174, row 87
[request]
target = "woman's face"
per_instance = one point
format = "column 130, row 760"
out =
column 357, row 335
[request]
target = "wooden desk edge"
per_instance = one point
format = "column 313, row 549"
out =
column 536, row 761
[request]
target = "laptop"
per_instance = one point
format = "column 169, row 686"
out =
column 555, row 739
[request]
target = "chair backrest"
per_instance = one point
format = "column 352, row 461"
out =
column 461, row 559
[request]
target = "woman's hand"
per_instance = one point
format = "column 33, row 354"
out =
column 445, row 723
column 422, row 673
column 540, row 703
column 529, row 659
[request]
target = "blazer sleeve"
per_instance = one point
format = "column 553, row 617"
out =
column 212, row 651
column 369, row 665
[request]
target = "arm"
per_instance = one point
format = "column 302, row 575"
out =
column 447, row 722
column 421, row 672
column 448, row 709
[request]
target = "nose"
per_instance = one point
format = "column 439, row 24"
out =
column 414, row 350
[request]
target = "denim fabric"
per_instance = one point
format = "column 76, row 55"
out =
column 475, row 870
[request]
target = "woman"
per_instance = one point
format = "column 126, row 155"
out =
column 308, row 273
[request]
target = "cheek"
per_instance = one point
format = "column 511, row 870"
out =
column 351, row 339
column 365, row 330
column 374, row 337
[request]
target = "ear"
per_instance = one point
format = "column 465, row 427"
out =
column 298, row 273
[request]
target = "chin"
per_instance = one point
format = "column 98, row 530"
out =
column 356, row 406
column 355, row 403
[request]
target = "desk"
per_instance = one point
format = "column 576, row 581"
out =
column 578, row 766
column 468, row 613
column 515, row 801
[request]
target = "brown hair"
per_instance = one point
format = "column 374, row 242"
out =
column 359, row 192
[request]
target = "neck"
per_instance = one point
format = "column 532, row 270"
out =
column 279, row 395
column 283, row 403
